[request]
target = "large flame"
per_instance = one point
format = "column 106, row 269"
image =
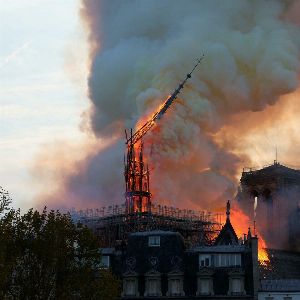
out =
column 239, row 219
column 150, row 115
column 240, row 222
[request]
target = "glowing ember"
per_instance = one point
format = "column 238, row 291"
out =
column 241, row 222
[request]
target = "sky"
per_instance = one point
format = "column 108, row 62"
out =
column 42, row 86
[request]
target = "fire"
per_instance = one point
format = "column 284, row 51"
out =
column 240, row 222
column 150, row 116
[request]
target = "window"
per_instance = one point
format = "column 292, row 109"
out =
column 175, row 287
column 238, row 259
column 223, row 260
column 130, row 287
column 204, row 260
column 236, row 286
column 216, row 258
column 105, row 262
column 269, row 298
column 205, row 290
column 154, row 241
column 227, row 260
column 287, row 298
column 153, row 287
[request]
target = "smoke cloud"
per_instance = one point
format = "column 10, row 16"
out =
column 140, row 51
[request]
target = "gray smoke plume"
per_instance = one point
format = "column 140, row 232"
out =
column 141, row 50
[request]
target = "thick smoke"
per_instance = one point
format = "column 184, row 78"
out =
column 141, row 50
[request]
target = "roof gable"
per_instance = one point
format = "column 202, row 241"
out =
column 227, row 235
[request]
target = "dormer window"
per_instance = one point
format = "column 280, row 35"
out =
column 205, row 260
column 227, row 260
column 105, row 262
column 154, row 241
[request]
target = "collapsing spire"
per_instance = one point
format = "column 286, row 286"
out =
column 138, row 196
column 158, row 115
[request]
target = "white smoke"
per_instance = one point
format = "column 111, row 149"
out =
column 142, row 49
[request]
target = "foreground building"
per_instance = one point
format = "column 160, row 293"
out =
column 158, row 264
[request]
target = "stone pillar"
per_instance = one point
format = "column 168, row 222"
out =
column 205, row 285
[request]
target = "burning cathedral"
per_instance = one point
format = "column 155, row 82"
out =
column 166, row 252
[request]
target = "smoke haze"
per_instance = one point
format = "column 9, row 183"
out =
column 140, row 51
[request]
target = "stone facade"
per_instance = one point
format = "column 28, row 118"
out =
column 276, row 190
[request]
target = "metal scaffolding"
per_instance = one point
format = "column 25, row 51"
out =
column 113, row 224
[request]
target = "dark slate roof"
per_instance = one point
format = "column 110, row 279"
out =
column 280, row 285
column 227, row 235
column 283, row 265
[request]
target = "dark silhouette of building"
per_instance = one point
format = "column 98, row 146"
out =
column 159, row 264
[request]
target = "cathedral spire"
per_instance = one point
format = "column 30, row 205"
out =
column 228, row 211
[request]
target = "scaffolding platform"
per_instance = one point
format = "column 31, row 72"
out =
column 113, row 224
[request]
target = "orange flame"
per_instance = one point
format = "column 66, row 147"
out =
column 148, row 116
column 240, row 222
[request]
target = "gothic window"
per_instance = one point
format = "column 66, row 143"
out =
column 154, row 241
